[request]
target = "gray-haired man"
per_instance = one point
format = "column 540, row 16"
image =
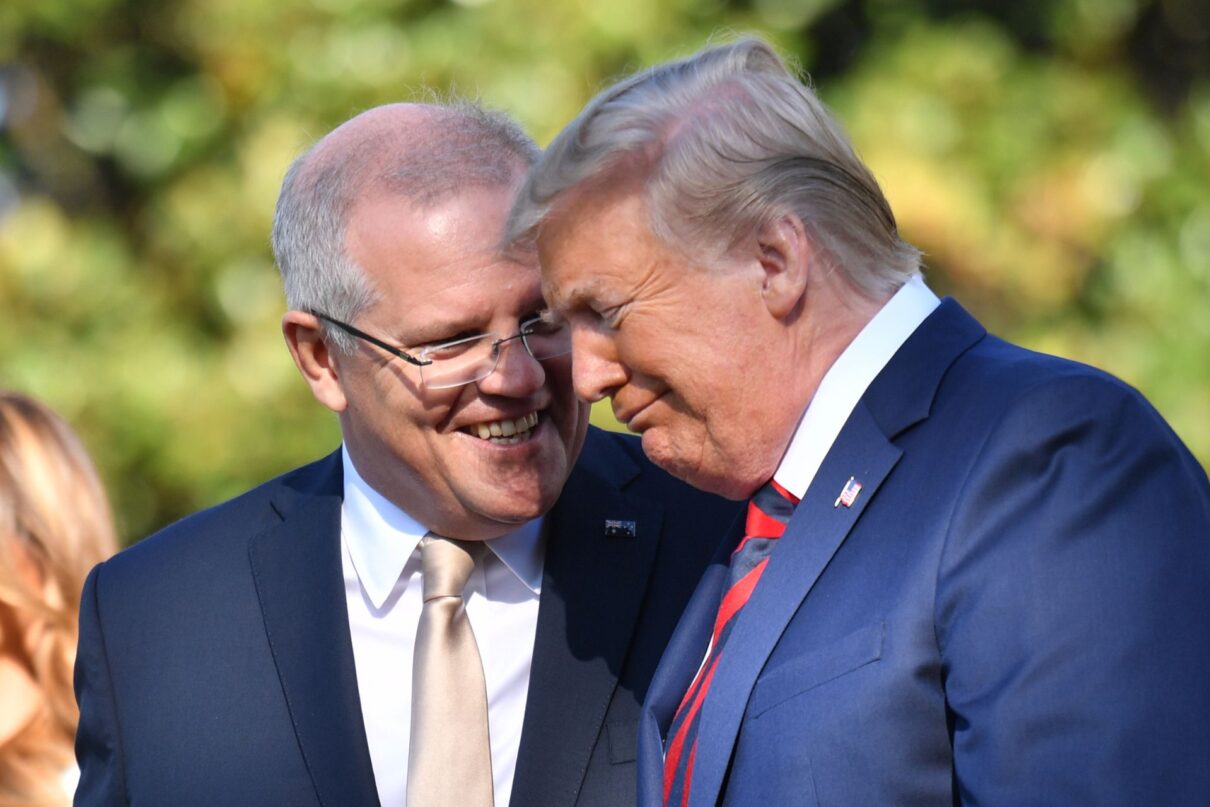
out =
column 305, row 643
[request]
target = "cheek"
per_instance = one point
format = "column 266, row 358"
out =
column 559, row 380
column 420, row 436
column 679, row 348
column 647, row 356
column 431, row 410
column 574, row 440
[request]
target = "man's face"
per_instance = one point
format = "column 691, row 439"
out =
column 441, row 278
column 683, row 350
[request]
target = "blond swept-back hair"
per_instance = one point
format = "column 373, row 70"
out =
column 725, row 142
column 54, row 521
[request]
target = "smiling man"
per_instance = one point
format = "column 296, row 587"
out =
column 971, row 574
column 458, row 607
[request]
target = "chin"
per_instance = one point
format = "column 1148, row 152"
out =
column 695, row 471
column 517, row 508
column 720, row 485
column 667, row 454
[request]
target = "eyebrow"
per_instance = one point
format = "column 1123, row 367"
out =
column 436, row 331
column 577, row 297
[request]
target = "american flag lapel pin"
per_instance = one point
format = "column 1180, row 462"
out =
column 619, row 529
column 848, row 494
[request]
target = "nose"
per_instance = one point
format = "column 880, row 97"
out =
column 596, row 371
column 517, row 373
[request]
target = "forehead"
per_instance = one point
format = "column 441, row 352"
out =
column 443, row 255
column 595, row 240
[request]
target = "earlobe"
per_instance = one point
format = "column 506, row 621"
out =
column 317, row 364
column 785, row 258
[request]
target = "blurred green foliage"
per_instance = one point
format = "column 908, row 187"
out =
column 1051, row 158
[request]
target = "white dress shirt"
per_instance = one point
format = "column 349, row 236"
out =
column 383, row 591
column 847, row 380
column 842, row 387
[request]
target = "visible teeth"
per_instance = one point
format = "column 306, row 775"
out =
column 505, row 432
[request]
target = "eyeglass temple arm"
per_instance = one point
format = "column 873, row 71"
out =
column 373, row 340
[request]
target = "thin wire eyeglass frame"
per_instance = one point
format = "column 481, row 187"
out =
column 497, row 342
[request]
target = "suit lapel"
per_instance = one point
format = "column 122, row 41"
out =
column 592, row 588
column 678, row 665
column 297, row 568
column 813, row 535
column 687, row 647
column 898, row 398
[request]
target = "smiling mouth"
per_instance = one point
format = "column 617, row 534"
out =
column 627, row 418
column 504, row 432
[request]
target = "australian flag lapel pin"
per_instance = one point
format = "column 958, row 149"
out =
column 848, row 494
column 619, row 529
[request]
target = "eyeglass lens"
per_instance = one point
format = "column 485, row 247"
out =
column 469, row 360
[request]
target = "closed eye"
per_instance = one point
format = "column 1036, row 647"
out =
column 610, row 317
column 451, row 348
column 461, row 336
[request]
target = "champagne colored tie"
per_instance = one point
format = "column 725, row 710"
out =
column 450, row 761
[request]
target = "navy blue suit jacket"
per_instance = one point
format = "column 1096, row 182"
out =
column 1015, row 610
column 216, row 667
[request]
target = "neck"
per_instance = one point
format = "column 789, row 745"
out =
column 834, row 313
column 830, row 316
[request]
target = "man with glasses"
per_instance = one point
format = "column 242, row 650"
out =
column 456, row 608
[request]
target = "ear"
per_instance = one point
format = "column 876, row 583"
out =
column 784, row 253
column 304, row 338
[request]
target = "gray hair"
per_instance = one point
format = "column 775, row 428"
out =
column 730, row 139
column 423, row 153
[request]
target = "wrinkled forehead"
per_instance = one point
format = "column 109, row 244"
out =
column 484, row 296
column 592, row 227
column 496, row 283
column 583, row 204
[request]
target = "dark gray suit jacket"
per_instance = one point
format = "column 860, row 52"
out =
column 216, row 667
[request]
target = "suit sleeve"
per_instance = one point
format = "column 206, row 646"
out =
column 1073, row 610
column 98, row 746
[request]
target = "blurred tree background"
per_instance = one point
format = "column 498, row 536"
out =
column 1051, row 157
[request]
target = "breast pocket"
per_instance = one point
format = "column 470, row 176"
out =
column 817, row 667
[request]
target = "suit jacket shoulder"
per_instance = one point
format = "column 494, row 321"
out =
column 224, row 637
column 1012, row 586
column 227, row 526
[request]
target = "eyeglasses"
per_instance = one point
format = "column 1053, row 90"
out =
column 474, row 358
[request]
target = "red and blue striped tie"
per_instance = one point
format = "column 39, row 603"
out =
column 768, row 513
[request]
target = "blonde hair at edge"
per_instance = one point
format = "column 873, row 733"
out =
column 55, row 524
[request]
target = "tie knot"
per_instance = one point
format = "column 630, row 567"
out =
column 770, row 510
column 445, row 565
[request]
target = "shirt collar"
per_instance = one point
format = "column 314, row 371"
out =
column 847, row 380
column 381, row 538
